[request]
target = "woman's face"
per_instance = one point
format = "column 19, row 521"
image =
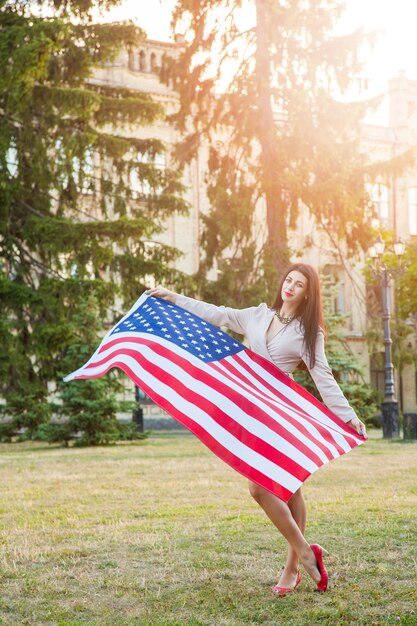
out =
column 294, row 289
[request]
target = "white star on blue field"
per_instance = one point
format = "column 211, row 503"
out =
column 185, row 330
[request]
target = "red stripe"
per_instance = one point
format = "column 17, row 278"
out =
column 351, row 436
column 208, row 440
column 294, row 421
column 277, row 427
column 255, row 410
column 274, row 371
column 278, row 457
column 325, row 431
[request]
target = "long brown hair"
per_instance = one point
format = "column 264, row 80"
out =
column 310, row 310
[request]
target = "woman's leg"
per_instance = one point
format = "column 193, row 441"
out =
column 298, row 510
column 281, row 516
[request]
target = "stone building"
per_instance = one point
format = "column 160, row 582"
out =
column 395, row 200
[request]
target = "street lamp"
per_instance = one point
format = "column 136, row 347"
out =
column 390, row 412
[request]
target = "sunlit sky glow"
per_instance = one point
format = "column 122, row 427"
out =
column 395, row 20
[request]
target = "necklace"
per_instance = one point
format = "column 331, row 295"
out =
column 284, row 320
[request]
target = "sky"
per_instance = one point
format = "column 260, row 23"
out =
column 395, row 21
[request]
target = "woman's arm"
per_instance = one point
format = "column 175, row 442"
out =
column 329, row 390
column 235, row 319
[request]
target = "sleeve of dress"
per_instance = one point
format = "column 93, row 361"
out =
column 235, row 319
column 325, row 382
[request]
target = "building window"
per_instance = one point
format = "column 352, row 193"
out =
column 379, row 194
column 139, row 184
column 142, row 61
column 335, row 282
column 12, row 161
column 377, row 371
column 153, row 62
column 412, row 210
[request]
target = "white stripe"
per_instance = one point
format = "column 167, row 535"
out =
column 297, row 415
column 305, row 404
column 196, row 414
column 281, row 419
column 224, row 402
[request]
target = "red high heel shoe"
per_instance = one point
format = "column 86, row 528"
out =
column 319, row 552
column 282, row 591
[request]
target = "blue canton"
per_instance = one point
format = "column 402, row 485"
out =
column 185, row 330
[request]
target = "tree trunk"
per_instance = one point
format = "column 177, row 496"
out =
column 277, row 245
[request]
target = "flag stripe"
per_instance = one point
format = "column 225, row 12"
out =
column 197, row 386
column 290, row 420
column 299, row 419
column 234, row 452
column 269, row 380
column 238, row 403
column 300, row 398
column 264, row 413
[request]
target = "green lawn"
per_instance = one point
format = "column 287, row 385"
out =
column 162, row 532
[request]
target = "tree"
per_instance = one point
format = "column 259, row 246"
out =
column 72, row 227
column 260, row 92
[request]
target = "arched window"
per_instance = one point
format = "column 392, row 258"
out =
column 153, row 62
column 131, row 60
column 142, row 61
column 379, row 194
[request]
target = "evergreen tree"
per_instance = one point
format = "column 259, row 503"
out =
column 73, row 230
column 261, row 94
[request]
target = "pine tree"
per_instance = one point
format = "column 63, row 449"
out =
column 261, row 95
column 72, row 228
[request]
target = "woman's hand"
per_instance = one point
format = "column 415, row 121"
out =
column 359, row 426
column 164, row 294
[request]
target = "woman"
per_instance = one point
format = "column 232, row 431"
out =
column 288, row 333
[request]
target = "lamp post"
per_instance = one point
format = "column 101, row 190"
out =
column 390, row 412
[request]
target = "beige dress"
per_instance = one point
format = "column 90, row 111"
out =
column 286, row 349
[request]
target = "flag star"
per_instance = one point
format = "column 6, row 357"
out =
column 197, row 348
column 219, row 332
column 218, row 350
column 186, row 328
column 236, row 345
column 160, row 323
column 227, row 348
column 168, row 336
column 216, row 342
column 184, row 345
column 189, row 334
column 200, row 332
column 204, row 323
column 182, row 322
column 193, row 341
column 208, row 354
column 164, row 329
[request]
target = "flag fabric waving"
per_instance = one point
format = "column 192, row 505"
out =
column 239, row 404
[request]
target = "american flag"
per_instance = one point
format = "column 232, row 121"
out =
column 239, row 404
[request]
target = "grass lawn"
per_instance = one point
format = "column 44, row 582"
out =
column 162, row 532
